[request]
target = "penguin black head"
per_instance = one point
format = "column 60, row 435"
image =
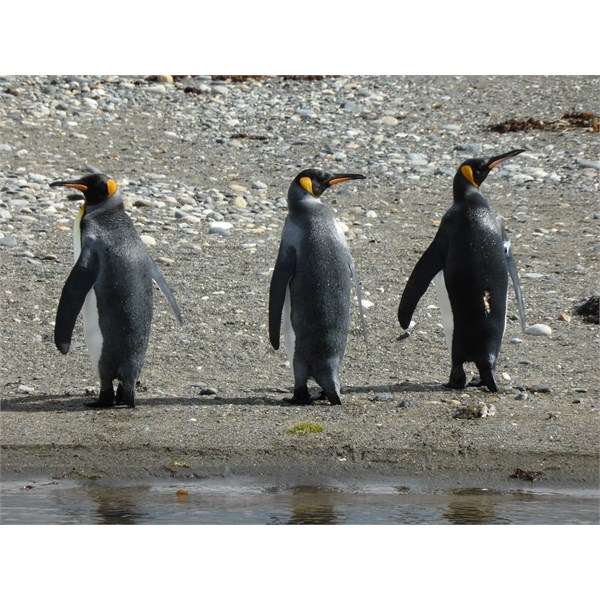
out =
column 315, row 182
column 475, row 170
column 96, row 188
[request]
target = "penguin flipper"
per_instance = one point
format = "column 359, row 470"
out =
column 79, row 282
column 363, row 320
column 284, row 269
column 427, row 267
column 162, row 284
column 514, row 275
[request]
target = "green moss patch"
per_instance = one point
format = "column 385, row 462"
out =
column 304, row 428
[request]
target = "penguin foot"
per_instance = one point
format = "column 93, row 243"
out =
column 332, row 397
column 106, row 399
column 335, row 400
column 491, row 385
column 100, row 403
column 298, row 401
column 458, row 379
column 301, row 397
column 124, row 399
column 478, row 382
column 487, row 378
column 128, row 403
column 453, row 385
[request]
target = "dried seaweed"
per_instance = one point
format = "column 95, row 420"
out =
column 518, row 125
column 586, row 120
column 527, row 475
column 248, row 136
column 238, row 78
column 241, row 78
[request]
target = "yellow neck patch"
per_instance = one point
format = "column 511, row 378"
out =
column 467, row 172
column 112, row 187
column 79, row 217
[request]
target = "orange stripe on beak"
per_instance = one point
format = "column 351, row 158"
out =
column 77, row 186
column 339, row 180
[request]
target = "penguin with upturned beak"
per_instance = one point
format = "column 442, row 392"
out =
column 471, row 260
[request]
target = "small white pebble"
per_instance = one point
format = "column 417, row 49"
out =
column 148, row 240
column 539, row 329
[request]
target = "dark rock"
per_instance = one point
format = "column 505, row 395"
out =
column 589, row 310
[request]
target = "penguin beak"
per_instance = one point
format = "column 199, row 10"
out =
column 334, row 179
column 71, row 184
column 496, row 160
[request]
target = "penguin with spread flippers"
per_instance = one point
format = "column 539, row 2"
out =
column 470, row 259
column 111, row 284
column 311, row 287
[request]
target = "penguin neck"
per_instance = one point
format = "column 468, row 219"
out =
column 463, row 190
column 299, row 203
column 113, row 202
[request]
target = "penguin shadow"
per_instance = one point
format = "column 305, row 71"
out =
column 45, row 403
column 398, row 388
column 255, row 397
column 76, row 403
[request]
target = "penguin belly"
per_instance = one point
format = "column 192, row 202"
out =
column 288, row 330
column 91, row 329
column 89, row 311
column 445, row 308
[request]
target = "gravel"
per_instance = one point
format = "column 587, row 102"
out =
column 205, row 174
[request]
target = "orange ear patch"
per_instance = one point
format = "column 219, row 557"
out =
column 306, row 183
column 467, row 172
column 112, row 187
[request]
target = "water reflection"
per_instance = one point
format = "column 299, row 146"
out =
column 225, row 502
column 313, row 506
column 473, row 507
column 122, row 508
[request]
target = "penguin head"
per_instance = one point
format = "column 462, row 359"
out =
column 475, row 170
column 97, row 188
column 314, row 182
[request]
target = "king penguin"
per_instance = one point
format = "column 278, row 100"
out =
column 111, row 284
column 470, row 258
column 311, row 287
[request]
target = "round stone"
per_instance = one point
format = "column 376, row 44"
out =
column 220, row 228
column 148, row 240
column 539, row 329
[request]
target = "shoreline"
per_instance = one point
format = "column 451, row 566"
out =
column 250, row 438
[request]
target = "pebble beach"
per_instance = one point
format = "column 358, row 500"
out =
column 204, row 163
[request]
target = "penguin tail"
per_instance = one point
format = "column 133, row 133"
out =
column 63, row 347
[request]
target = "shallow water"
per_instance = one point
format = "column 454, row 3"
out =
column 251, row 502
